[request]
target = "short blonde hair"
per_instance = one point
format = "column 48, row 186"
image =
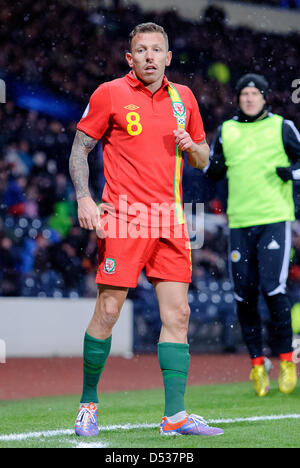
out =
column 148, row 28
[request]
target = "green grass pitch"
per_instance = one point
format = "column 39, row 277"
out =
column 248, row 421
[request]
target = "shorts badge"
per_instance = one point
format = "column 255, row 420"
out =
column 109, row 266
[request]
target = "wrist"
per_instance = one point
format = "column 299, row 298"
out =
column 82, row 197
column 193, row 148
column 296, row 174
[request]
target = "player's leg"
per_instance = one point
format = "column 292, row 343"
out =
column 244, row 274
column 174, row 311
column 170, row 271
column 173, row 349
column 110, row 300
column 174, row 360
column 274, row 256
column 115, row 274
column 96, row 348
column 97, row 340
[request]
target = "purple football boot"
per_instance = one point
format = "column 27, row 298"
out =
column 190, row 425
column 86, row 424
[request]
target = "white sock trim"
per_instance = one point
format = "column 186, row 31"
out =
column 177, row 417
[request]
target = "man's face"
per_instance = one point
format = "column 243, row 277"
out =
column 251, row 101
column 149, row 57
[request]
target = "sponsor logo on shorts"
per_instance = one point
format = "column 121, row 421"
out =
column 109, row 266
column 235, row 256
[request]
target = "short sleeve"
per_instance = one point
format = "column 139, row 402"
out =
column 95, row 119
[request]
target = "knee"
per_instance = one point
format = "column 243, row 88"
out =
column 246, row 294
column 107, row 310
column 184, row 313
column 279, row 305
column 179, row 317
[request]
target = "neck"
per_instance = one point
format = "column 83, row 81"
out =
column 242, row 117
column 153, row 87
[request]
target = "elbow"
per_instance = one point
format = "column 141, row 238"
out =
column 199, row 157
column 203, row 161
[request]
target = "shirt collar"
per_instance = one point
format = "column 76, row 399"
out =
column 134, row 82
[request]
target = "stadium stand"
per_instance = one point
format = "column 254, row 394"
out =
column 51, row 63
column 291, row 4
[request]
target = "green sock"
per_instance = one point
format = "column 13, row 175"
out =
column 174, row 361
column 95, row 353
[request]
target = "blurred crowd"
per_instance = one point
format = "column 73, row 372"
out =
column 292, row 4
column 70, row 51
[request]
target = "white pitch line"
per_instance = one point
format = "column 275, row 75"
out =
column 126, row 427
column 84, row 445
column 35, row 435
column 276, row 417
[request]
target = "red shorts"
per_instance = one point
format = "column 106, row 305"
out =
column 165, row 255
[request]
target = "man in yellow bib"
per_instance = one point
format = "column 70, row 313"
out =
column 254, row 150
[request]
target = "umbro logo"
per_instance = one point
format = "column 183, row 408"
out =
column 273, row 245
column 131, row 107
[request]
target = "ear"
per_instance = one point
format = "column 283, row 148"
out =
column 168, row 58
column 129, row 59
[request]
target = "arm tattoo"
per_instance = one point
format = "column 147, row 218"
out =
column 78, row 164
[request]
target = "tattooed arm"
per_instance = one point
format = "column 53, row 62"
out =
column 88, row 211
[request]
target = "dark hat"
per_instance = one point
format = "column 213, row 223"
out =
column 252, row 80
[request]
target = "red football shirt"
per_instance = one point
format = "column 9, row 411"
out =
column 136, row 128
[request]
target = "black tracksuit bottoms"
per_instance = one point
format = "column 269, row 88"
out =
column 259, row 261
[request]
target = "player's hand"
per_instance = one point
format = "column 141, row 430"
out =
column 183, row 140
column 285, row 173
column 88, row 214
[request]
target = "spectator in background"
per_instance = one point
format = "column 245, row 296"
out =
column 11, row 194
column 9, row 275
column 293, row 4
column 18, row 156
column 4, row 178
